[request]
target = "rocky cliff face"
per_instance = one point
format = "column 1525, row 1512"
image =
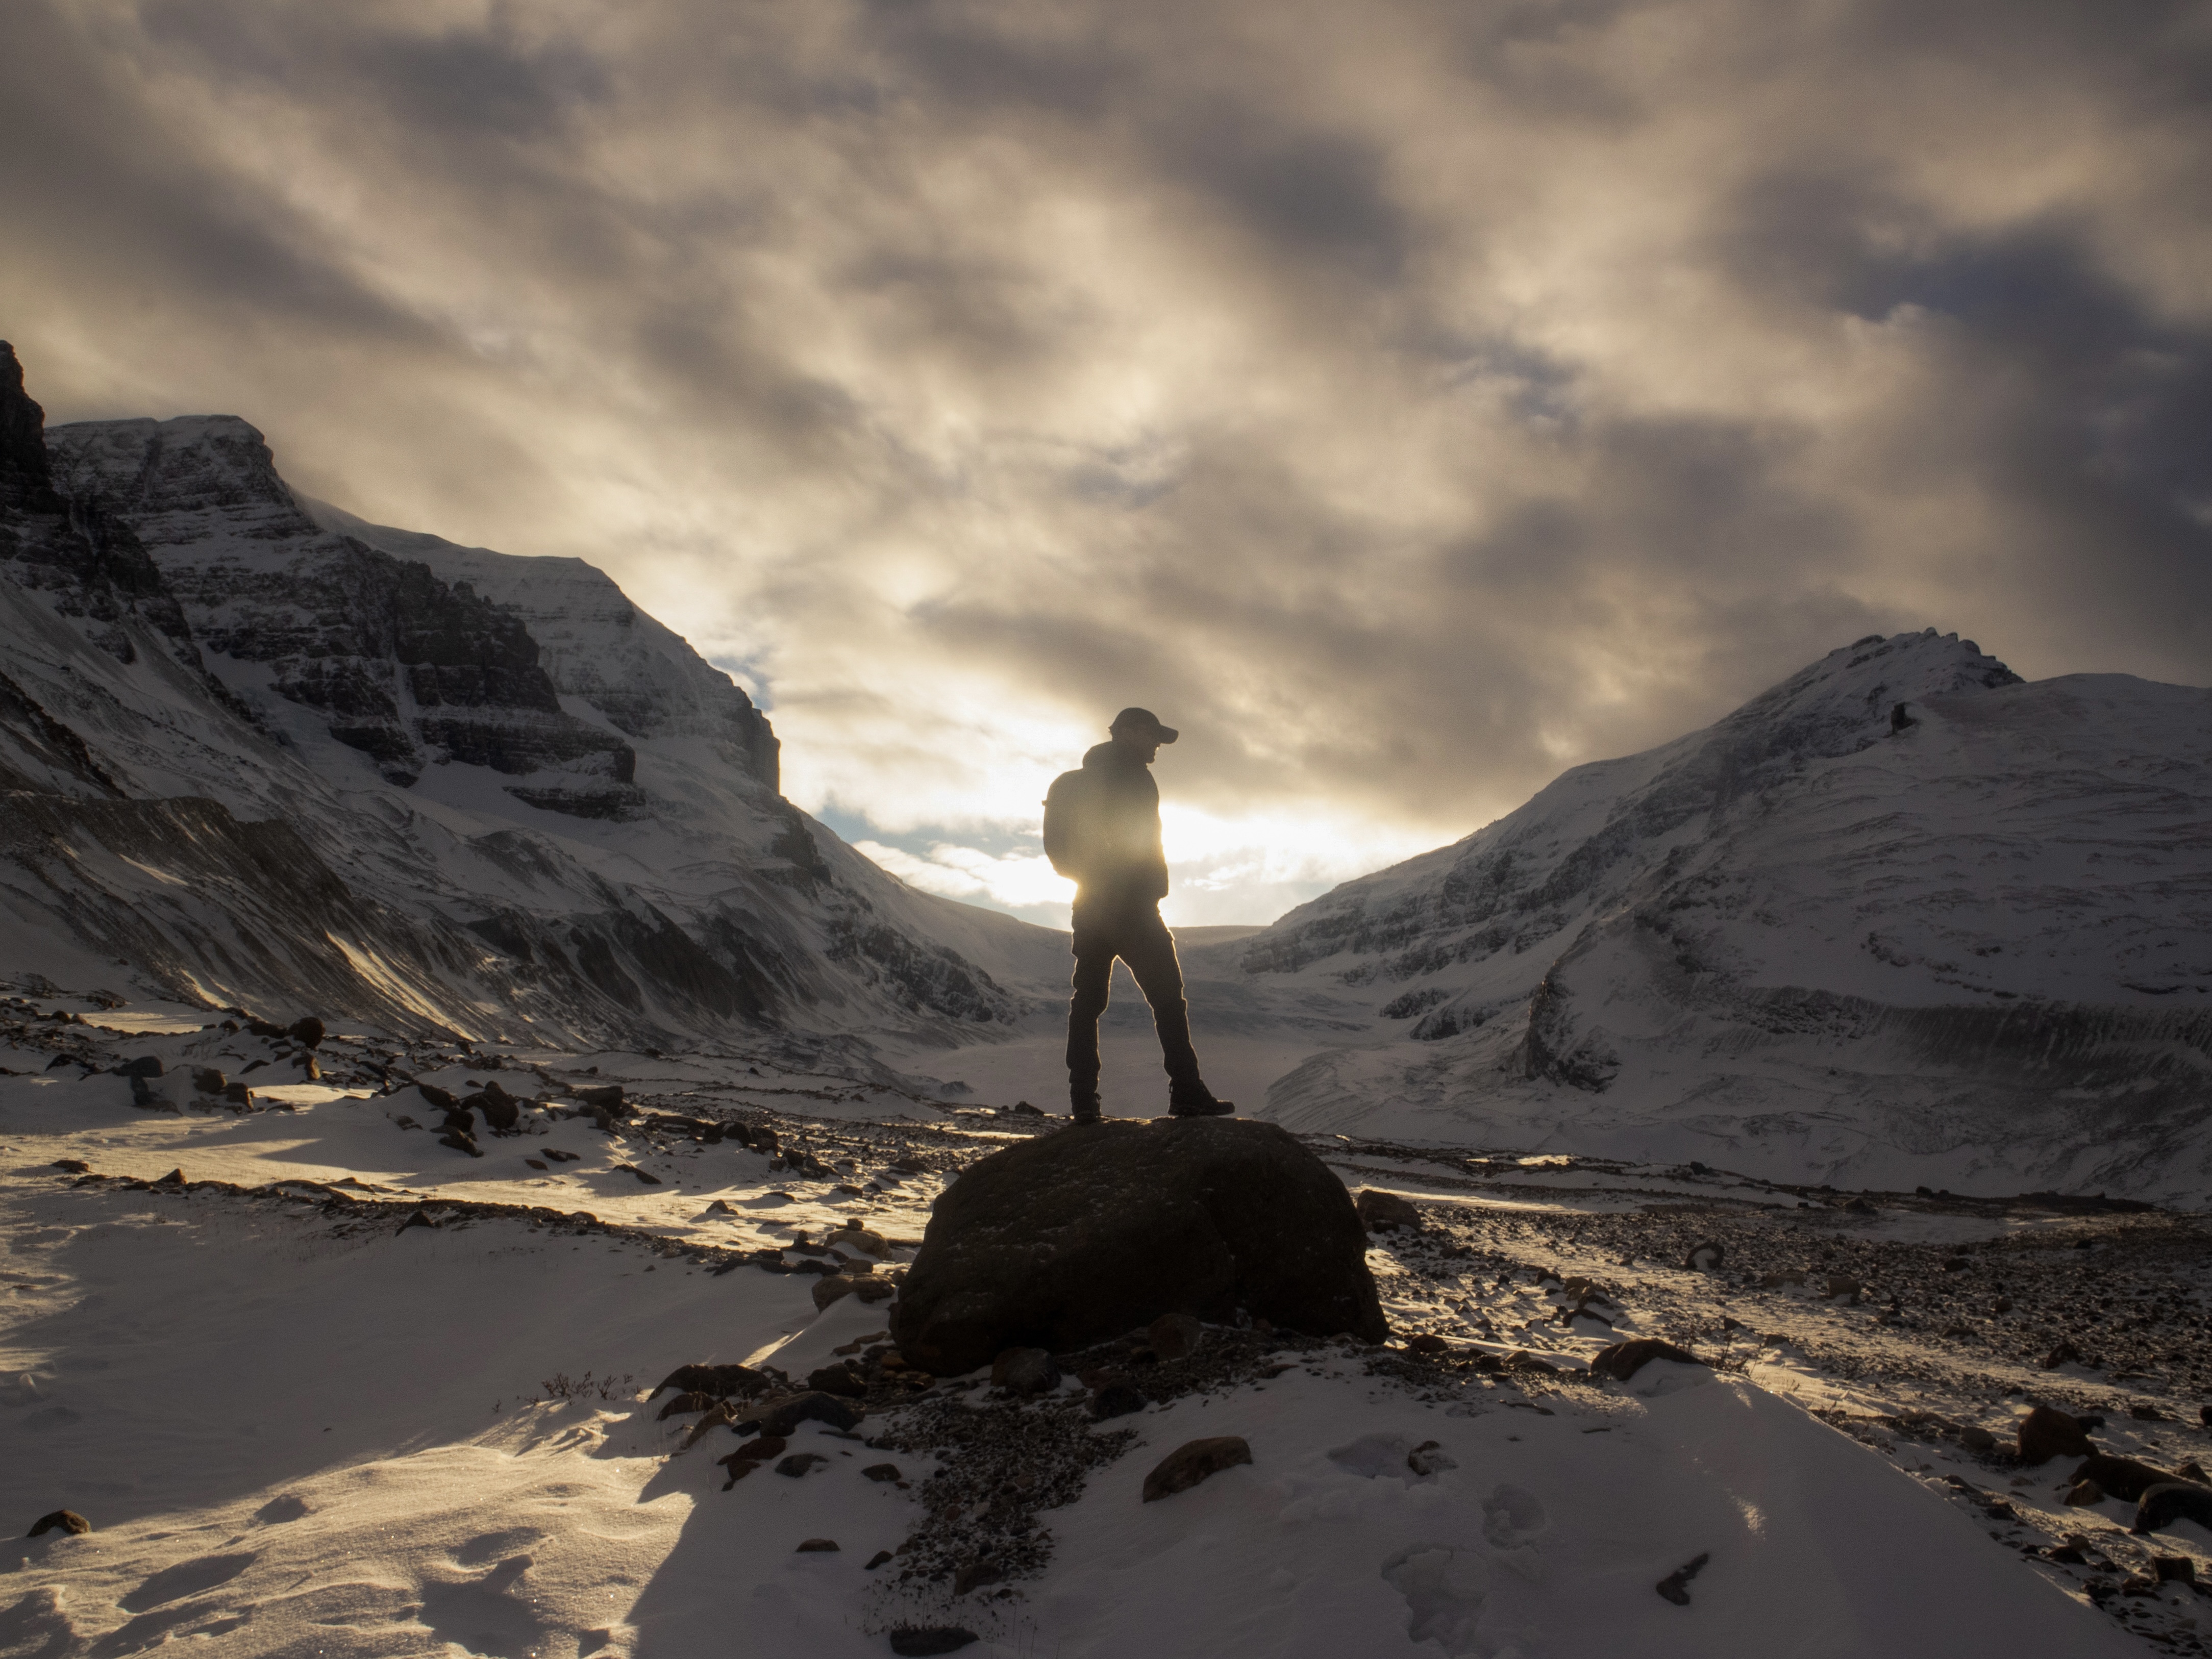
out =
column 263, row 753
column 1904, row 918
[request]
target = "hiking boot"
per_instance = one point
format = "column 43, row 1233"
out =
column 1198, row 1102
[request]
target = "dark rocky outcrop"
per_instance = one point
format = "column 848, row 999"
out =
column 2047, row 1432
column 1073, row 1238
column 1193, row 1461
column 1623, row 1360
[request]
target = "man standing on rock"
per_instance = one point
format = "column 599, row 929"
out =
column 1102, row 827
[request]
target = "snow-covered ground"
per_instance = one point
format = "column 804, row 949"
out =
column 298, row 1429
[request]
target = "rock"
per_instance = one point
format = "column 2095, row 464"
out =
column 781, row 1416
column 1624, row 1360
column 1067, row 1241
column 209, row 1081
column 1706, row 1257
column 831, row 1287
column 974, row 1575
column 144, row 1065
column 71, row 1166
column 441, row 1098
column 649, row 1180
column 2064, row 1354
column 2204, row 1415
column 2083, row 1494
column 1193, row 1461
column 308, row 1031
column 1427, row 1344
column 1024, row 1370
column 174, row 1178
column 500, row 1109
column 835, row 1379
column 720, row 1380
column 1859, row 1207
column 68, row 1521
column 607, row 1096
column 2173, row 1569
column 880, row 1472
column 800, row 1463
column 686, row 1403
column 874, row 1290
column 1382, row 1212
column 812, row 1546
column 460, row 1143
column 1778, row 1280
column 914, row 1641
column 740, row 1467
column 861, row 1239
column 2123, row 1477
column 2046, row 1433
column 761, row 1448
column 1116, row 1400
column 1836, row 1284
column 877, row 1560
column 1175, row 1335
column 1676, row 1586
column 1974, row 1438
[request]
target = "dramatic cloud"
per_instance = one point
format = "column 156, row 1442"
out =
column 1406, row 399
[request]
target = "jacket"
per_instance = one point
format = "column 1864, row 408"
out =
column 1102, row 826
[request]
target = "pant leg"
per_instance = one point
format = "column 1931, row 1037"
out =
column 1094, row 978
column 1149, row 949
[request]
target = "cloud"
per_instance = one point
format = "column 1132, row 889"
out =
column 1407, row 400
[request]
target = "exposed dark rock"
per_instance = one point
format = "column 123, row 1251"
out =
column 721, row 1381
column 838, row 1380
column 1024, row 1370
column 917, row 1640
column 1067, row 1240
column 877, row 1560
column 68, row 1521
column 2085, row 1494
column 1193, row 1461
column 1175, row 1335
column 781, row 1416
column 1624, row 1360
column 2122, row 1477
column 649, row 1180
column 2046, row 1432
column 684, row 1404
column 1380, row 1212
column 71, row 1165
column 880, row 1472
column 799, row 1464
column 2160, row 1505
column 460, row 1143
column 306, row 1030
column 812, row 1546
column 1676, row 1586
column 144, row 1065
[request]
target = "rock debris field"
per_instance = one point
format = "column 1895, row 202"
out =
column 401, row 1349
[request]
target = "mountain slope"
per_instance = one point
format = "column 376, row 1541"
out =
column 1904, row 918
column 260, row 759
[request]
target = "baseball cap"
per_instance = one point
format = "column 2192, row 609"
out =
column 1144, row 720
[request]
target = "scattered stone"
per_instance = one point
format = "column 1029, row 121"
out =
column 684, row 1404
column 535, row 1164
column 2046, row 1433
column 1193, row 1461
column 1175, row 1335
column 1116, row 1400
column 1977, row 1439
column 813, row 1545
column 501, row 1110
column 1676, row 1586
column 2173, row 1569
column 1069, row 1241
column 1381, row 1213
column 1860, row 1207
column 800, row 1463
column 2161, row 1505
column 2083, row 1494
column 859, row 1239
column 2122, row 1477
column 144, row 1065
column 880, row 1472
column 607, row 1096
column 72, row 1166
column 209, row 1081
column 838, row 1380
column 720, row 1380
column 2064, row 1354
column 1841, row 1285
column 441, row 1098
column 877, row 1560
column 68, row 1521
column 740, row 1467
column 1624, row 1360
column 915, row 1641
column 761, row 1448
column 174, row 1178
column 782, row 1416
column 1427, row 1344
column 649, row 1180
column 308, row 1031
column 419, row 1218
column 1024, row 1370
column 460, row 1143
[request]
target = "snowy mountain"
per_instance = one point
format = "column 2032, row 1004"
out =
column 259, row 753
column 1904, row 918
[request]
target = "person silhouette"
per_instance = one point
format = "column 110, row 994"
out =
column 1101, row 828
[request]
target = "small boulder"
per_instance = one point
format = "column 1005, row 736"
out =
column 68, row 1521
column 880, row 1472
column 838, row 1380
column 500, row 1109
column 2064, row 1354
column 720, row 1380
column 1175, row 1335
column 814, row 1546
column 71, row 1166
column 1193, row 1461
column 799, row 1464
column 1975, row 1439
column 1705, row 1257
column 782, row 1416
column 877, row 1560
column 441, row 1098
column 1024, row 1370
column 1429, row 1458
column 209, row 1081
column 1427, row 1345
column 1116, row 1400
column 606, row 1096
column 649, row 1180
column 306, row 1032
column 2084, row 1494
column 2046, row 1433
column 1066, row 1241
column 460, row 1143
column 859, row 1239
column 2170, row 1501
column 1624, row 1360
column 2121, row 1477
column 1382, row 1212
column 144, row 1065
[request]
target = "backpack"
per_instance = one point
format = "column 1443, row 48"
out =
column 1069, row 821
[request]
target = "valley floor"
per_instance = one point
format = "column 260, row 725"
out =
column 298, row 1427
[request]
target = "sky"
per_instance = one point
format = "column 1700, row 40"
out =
column 1406, row 400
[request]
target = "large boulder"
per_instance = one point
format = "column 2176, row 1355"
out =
column 1074, row 1238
